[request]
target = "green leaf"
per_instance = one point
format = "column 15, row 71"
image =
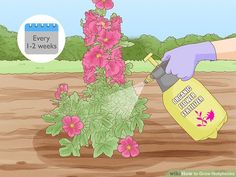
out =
column 108, row 150
column 74, row 97
column 65, row 151
column 124, row 38
column 82, row 139
column 49, row 118
column 56, row 129
column 82, row 23
column 129, row 65
column 106, row 122
column 140, row 126
column 98, row 151
column 76, row 151
column 49, row 130
column 126, row 44
column 64, row 142
column 145, row 116
column 113, row 15
column 119, row 130
column 101, row 12
column 106, row 147
column 128, row 68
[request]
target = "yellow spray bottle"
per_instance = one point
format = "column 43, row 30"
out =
column 189, row 103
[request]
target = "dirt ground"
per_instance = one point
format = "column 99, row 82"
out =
column 26, row 151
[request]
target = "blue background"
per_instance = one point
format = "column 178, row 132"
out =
column 159, row 18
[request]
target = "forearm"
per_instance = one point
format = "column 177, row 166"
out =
column 225, row 49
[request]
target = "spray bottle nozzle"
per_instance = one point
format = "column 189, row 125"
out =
column 149, row 58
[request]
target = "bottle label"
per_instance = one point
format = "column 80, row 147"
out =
column 194, row 109
column 187, row 101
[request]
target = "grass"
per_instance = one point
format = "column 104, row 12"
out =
column 28, row 67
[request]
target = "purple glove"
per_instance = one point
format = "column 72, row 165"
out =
column 183, row 60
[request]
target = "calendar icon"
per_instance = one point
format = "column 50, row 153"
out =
column 41, row 38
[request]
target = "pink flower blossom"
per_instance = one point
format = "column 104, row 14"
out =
column 210, row 116
column 104, row 4
column 116, row 23
column 115, row 67
column 90, row 28
column 116, row 53
column 90, row 16
column 89, row 75
column 90, row 25
column 72, row 125
column 63, row 88
column 128, row 147
column 89, row 40
column 109, row 38
column 119, row 79
column 95, row 57
column 103, row 23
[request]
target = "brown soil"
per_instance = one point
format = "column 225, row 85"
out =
column 26, row 150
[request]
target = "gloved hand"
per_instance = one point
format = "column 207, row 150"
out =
column 183, row 60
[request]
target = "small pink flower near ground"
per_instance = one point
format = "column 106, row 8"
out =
column 128, row 147
column 62, row 88
column 72, row 125
column 104, row 4
column 109, row 38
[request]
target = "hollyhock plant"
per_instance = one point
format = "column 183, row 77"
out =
column 104, row 4
column 72, row 125
column 63, row 88
column 128, row 147
column 95, row 117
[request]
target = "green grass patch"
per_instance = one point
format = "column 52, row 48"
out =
column 28, row 67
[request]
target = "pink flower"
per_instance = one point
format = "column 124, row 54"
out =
column 128, row 147
column 89, row 75
column 103, row 23
column 104, row 4
column 115, row 67
column 63, row 88
column 210, row 116
column 90, row 16
column 90, row 28
column 116, row 23
column 119, row 79
column 109, row 38
column 116, row 53
column 89, row 40
column 72, row 125
column 95, row 57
